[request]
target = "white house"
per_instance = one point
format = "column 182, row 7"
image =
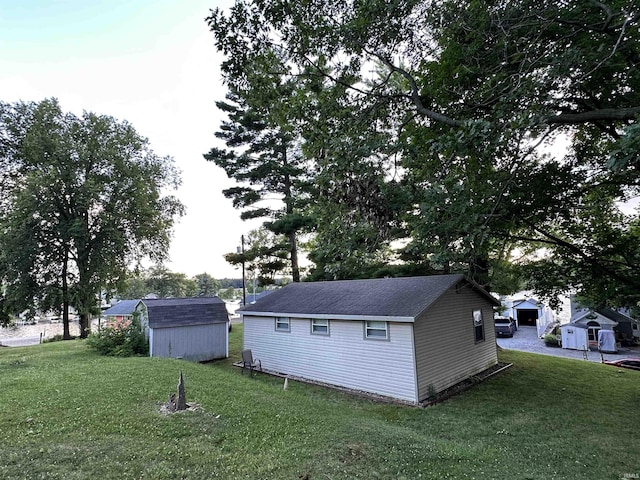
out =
column 528, row 312
column 594, row 322
column 405, row 338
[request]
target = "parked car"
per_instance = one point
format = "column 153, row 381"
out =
column 505, row 326
column 632, row 363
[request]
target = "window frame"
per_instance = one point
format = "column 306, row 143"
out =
column 282, row 321
column 314, row 324
column 368, row 327
column 478, row 326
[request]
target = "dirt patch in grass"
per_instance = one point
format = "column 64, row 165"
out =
column 167, row 409
column 353, row 452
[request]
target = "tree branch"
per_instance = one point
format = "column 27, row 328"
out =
column 414, row 95
column 603, row 114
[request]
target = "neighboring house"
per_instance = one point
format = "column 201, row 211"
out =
column 405, row 338
column 528, row 312
column 594, row 322
column 121, row 311
column 194, row 329
column 254, row 297
column 627, row 328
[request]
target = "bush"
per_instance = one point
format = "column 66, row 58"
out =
column 120, row 339
column 550, row 340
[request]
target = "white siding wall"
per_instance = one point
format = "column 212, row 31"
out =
column 446, row 351
column 194, row 342
column 343, row 358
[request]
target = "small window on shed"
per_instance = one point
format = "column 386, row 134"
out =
column 478, row 325
column 376, row 330
column 320, row 326
column 282, row 324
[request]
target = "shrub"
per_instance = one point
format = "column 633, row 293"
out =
column 120, row 339
column 550, row 340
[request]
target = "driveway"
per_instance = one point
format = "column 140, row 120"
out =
column 526, row 340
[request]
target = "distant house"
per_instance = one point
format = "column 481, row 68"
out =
column 405, row 338
column 593, row 321
column 123, row 310
column 189, row 328
column 254, row 297
column 627, row 328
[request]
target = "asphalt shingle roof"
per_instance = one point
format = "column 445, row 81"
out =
column 123, row 307
column 615, row 316
column 172, row 312
column 392, row 297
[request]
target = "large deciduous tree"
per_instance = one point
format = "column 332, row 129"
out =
column 82, row 198
column 514, row 125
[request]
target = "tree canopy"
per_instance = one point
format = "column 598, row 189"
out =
column 83, row 197
column 263, row 154
column 510, row 130
column 163, row 283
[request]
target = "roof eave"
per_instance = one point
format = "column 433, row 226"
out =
column 333, row 316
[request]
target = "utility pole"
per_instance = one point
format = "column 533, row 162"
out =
column 244, row 290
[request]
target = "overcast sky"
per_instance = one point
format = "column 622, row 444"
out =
column 152, row 63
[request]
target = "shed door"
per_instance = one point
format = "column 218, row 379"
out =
column 592, row 333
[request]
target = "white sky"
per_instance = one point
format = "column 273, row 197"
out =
column 152, row 63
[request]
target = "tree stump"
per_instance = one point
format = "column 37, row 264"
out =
column 181, row 404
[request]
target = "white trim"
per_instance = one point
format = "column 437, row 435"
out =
column 357, row 318
column 280, row 319
column 416, row 386
column 375, row 329
column 324, row 334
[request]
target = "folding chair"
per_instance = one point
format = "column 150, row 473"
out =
column 249, row 362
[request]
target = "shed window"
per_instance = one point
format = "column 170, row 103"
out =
column 282, row 324
column 478, row 325
column 376, row 330
column 320, row 326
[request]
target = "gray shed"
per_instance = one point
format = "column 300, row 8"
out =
column 194, row 329
column 404, row 338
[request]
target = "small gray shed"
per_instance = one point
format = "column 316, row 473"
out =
column 194, row 329
column 405, row 338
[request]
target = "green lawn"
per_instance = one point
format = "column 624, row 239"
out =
column 67, row 413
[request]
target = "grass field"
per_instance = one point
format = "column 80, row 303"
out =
column 67, row 413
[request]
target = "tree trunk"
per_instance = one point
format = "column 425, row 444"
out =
column 66, row 333
column 84, row 325
column 295, row 268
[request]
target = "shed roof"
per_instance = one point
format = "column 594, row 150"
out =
column 174, row 312
column 123, row 307
column 402, row 297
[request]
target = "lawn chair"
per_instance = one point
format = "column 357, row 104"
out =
column 249, row 362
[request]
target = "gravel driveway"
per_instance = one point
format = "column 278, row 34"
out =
column 526, row 340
